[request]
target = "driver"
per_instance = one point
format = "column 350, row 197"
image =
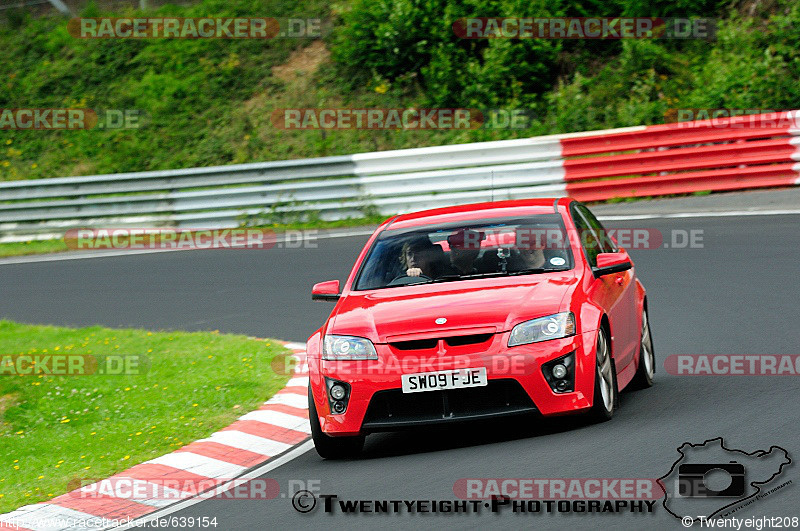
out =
column 420, row 256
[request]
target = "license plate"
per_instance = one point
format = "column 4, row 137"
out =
column 436, row 381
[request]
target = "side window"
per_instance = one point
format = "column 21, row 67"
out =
column 606, row 243
column 589, row 242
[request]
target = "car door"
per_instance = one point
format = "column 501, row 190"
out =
column 615, row 293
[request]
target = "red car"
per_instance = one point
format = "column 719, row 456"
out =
column 478, row 311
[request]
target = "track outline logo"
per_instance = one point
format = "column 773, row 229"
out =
column 755, row 484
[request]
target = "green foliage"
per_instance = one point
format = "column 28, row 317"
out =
column 209, row 102
column 189, row 89
column 408, row 41
column 754, row 65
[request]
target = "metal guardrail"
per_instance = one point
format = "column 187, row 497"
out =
column 330, row 187
column 595, row 165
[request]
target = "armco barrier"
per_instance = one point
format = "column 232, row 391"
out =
column 721, row 154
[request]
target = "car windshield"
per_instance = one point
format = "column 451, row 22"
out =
column 466, row 250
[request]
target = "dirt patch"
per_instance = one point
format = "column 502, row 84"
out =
column 6, row 402
column 302, row 62
column 82, row 168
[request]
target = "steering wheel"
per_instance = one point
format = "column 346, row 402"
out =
column 406, row 280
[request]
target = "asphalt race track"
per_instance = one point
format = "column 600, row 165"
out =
column 738, row 295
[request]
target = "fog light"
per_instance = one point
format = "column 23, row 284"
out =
column 559, row 371
column 338, row 395
column 338, row 392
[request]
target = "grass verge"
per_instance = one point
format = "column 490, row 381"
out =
column 54, row 429
column 32, row 247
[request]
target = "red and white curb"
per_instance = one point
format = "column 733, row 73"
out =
column 281, row 423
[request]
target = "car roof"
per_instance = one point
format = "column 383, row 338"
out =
column 497, row 209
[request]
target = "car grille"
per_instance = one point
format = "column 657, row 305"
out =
column 451, row 341
column 415, row 344
column 457, row 341
column 392, row 409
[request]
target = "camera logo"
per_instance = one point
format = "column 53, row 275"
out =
column 708, row 478
column 697, row 480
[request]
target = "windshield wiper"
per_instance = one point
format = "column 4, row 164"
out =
column 448, row 278
column 534, row 270
column 530, row 271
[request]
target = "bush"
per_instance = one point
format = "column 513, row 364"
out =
column 413, row 40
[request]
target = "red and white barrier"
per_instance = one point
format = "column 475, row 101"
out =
column 755, row 151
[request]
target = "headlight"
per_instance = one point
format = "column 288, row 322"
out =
column 550, row 327
column 348, row 348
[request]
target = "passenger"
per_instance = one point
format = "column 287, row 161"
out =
column 465, row 246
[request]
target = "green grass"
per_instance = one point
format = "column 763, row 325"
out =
column 32, row 247
column 58, row 428
column 321, row 225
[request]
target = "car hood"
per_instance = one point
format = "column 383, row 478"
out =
column 492, row 304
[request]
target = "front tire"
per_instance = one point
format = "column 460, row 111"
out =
column 647, row 358
column 605, row 381
column 331, row 447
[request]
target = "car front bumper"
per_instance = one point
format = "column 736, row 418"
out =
column 516, row 384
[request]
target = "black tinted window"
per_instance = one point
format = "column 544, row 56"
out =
column 606, row 243
column 587, row 237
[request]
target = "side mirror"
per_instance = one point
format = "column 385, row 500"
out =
column 325, row 291
column 608, row 263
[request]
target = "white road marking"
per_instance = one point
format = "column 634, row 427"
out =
column 199, row 464
column 295, row 346
column 724, row 214
column 245, row 441
column 290, row 399
column 300, row 381
column 276, row 418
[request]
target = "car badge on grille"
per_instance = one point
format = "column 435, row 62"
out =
column 441, row 320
